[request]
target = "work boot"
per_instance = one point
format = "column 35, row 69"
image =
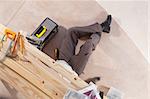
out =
column 106, row 24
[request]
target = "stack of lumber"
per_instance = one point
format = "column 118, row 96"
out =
column 38, row 77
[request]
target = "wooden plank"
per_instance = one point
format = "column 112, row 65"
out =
column 76, row 81
column 21, row 84
column 47, row 88
column 36, row 71
column 61, row 87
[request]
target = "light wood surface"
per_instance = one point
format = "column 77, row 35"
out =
column 41, row 72
column 21, row 84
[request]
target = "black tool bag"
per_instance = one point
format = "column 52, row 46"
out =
column 46, row 30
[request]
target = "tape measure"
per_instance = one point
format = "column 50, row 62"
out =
column 46, row 30
column 41, row 31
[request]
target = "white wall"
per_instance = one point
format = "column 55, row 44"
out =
column 149, row 30
column 132, row 16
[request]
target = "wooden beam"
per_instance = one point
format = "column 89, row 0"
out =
column 21, row 84
column 47, row 88
column 75, row 80
column 61, row 87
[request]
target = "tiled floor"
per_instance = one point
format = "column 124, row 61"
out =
column 116, row 59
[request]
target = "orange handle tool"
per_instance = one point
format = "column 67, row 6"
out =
column 10, row 34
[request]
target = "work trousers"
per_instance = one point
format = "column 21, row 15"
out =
column 68, row 43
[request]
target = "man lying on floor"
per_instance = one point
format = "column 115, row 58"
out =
column 65, row 41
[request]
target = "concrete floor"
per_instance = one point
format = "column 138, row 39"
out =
column 130, row 14
column 116, row 59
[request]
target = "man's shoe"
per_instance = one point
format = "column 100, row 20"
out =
column 106, row 24
column 106, row 29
